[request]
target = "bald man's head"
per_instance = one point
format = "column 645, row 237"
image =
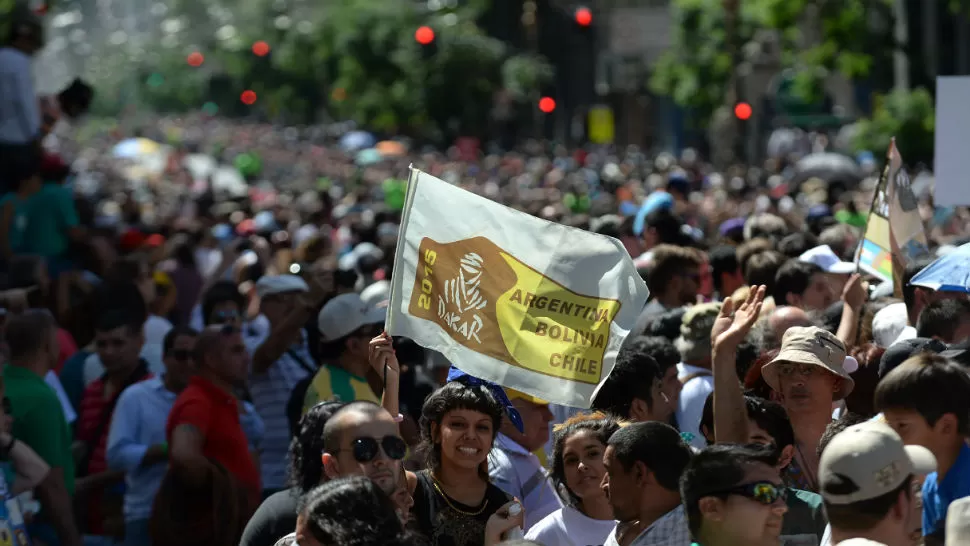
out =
column 349, row 417
column 784, row 318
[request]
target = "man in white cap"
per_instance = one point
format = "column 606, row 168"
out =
column 808, row 375
column 347, row 325
column 836, row 270
column 280, row 359
column 867, row 479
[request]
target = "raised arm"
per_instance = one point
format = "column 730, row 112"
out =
column 730, row 414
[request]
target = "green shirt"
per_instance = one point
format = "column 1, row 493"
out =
column 50, row 214
column 18, row 222
column 805, row 518
column 336, row 383
column 38, row 420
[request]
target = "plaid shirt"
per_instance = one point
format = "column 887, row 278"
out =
column 669, row 530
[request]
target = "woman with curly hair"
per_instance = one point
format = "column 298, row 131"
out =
column 350, row 511
column 577, row 471
column 276, row 516
column 454, row 502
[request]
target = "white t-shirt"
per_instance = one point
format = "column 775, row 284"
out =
column 570, row 527
column 690, row 406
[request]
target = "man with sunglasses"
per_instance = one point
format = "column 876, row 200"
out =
column 733, row 496
column 362, row 439
column 136, row 441
column 280, row 360
column 204, row 424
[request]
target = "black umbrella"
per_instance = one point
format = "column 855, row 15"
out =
column 830, row 168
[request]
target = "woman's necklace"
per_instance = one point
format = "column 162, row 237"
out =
column 806, row 468
column 437, row 487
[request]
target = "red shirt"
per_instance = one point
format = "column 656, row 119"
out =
column 91, row 416
column 215, row 413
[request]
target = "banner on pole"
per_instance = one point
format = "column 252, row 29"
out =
column 894, row 232
column 510, row 298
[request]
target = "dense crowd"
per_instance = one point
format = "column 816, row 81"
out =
column 185, row 364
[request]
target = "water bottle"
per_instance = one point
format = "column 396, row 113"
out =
column 514, row 533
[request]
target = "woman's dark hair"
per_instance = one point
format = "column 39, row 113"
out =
column 352, row 511
column 600, row 425
column 306, row 466
column 754, row 383
column 456, row 395
column 219, row 292
column 121, row 295
column 129, row 268
column 185, row 255
column 22, row 273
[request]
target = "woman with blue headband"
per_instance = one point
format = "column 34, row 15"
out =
column 454, row 502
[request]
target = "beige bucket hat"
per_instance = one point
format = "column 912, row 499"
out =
column 815, row 346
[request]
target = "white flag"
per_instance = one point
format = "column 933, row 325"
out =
column 531, row 305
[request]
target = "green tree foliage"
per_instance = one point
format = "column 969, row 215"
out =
column 816, row 38
column 353, row 59
column 907, row 115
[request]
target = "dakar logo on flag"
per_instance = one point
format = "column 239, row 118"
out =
column 492, row 303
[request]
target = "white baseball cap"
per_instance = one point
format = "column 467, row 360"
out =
column 958, row 522
column 345, row 314
column 888, row 323
column 869, row 460
column 824, row 257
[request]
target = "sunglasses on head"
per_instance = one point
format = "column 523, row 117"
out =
column 366, row 449
column 765, row 493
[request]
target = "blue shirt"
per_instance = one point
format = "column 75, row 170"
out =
column 137, row 424
column 937, row 496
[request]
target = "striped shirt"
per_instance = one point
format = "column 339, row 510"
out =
column 670, row 530
column 517, row 472
column 270, row 392
column 20, row 118
column 336, row 383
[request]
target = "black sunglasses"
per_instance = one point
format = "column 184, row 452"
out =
column 765, row 493
column 366, row 449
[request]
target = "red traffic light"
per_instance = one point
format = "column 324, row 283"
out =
column 195, row 59
column 248, row 97
column 547, row 105
column 584, row 17
column 742, row 110
column 424, row 35
column 261, row 49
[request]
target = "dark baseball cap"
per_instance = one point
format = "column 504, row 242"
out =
column 959, row 353
column 902, row 351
